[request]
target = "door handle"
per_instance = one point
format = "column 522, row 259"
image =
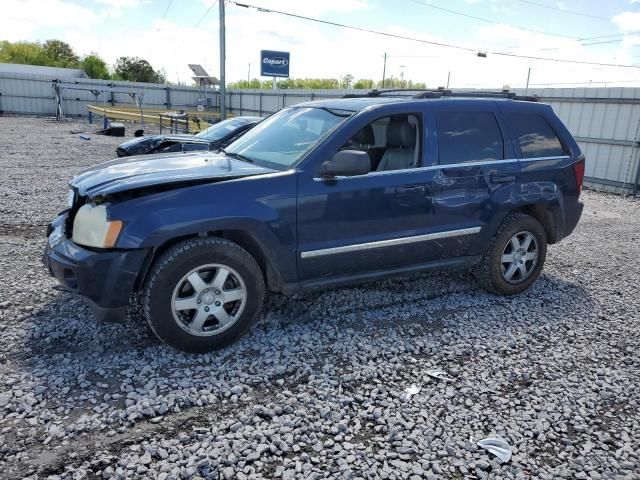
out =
column 498, row 178
column 410, row 189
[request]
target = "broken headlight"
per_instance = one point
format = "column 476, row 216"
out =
column 92, row 229
column 71, row 196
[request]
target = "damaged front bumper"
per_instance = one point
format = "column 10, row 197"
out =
column 107, row 278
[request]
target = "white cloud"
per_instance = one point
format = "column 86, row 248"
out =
column 115, row 8
column 323, row 51
column 628, row 21
column 20, row 19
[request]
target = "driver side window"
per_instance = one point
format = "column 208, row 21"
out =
column 392, row 142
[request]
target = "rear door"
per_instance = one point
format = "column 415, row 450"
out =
column 477, row 172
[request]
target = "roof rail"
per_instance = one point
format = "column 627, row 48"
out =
column 442, row 92
column 379, row 93
column 494, row 94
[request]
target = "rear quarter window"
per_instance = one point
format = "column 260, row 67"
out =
column 468, row 137
column 534, row 135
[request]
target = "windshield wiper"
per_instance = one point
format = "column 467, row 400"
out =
column 237, row 156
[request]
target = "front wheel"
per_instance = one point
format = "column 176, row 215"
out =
column 515, row 256
column 203, row 294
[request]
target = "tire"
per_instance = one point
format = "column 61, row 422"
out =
column 230, row 288
column 492, row 273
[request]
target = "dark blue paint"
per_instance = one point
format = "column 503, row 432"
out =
column 290, row 212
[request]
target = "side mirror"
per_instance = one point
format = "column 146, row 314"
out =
column 346, row 163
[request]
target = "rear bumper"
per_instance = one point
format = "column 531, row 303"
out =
column 572, row 217
column 106, row 278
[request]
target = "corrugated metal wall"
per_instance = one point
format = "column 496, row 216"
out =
column 34, row 94
column 605, row 121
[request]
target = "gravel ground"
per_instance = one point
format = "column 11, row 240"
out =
column 317, row 387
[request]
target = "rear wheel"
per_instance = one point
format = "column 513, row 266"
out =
column 515, row 256
column 203, row 294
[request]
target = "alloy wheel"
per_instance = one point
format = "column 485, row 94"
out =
column 209, row 299
column 519, row 257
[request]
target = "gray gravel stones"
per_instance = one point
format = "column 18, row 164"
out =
column 315, row 390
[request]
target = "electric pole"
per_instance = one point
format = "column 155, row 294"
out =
column 526, row 89
column 384, row 68
column 223, row 93
column 249, row 75
column 448, row 78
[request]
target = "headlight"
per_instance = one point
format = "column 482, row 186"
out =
column 92, row 229
column 70, row 198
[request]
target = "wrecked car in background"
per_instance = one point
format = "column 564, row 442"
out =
column 213, row 138
column 321, row 194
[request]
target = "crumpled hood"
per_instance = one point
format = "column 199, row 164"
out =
column 129, row 173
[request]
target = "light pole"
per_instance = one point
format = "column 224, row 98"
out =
column 384, row 69
column 223, row 93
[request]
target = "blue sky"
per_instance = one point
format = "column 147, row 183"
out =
column 140, row 27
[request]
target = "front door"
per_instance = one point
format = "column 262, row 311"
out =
column 377, row 221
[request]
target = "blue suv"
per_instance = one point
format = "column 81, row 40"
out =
column 321, row 194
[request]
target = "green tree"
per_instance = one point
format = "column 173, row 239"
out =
column 364, row 83
column 27, row 53
column 135, row 69
column 60, row 54
column 95, row 67
column 346, row 81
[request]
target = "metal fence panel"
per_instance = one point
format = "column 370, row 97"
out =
column 604, row 121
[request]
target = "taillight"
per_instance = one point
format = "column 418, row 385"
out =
column 578, row 169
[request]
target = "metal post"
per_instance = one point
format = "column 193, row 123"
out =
column 249, row 75
column 448, row 78
column 384, row 69
column 223, row 100
column 526, row 89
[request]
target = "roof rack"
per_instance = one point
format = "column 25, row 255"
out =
column 442, row 92
column 379, row 93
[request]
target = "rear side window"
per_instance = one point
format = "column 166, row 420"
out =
column 468, row 137
column 535, row 136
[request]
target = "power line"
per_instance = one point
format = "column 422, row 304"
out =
column 505, row 54
column 487, row 20
column 610, row 35
column 571, row 12
column 419, row 40
column 526, row 29
column 206, row 13
column 167, row 9
column 351, row 27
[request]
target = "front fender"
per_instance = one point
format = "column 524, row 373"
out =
column 263, row 207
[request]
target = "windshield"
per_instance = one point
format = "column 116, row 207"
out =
column 221, row 129
column 285, row 137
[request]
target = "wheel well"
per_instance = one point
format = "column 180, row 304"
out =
column 237, row 236
column 543, row 214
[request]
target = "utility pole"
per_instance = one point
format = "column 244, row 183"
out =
column 249, row 75
column 223, row 93
column 448, row 78
column 384, row 68
column 526, row 89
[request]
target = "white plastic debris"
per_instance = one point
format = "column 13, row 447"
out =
column 438, row 374
column 411, row 391
column 497, row 446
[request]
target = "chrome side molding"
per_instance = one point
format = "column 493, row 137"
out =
column 389, row 243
